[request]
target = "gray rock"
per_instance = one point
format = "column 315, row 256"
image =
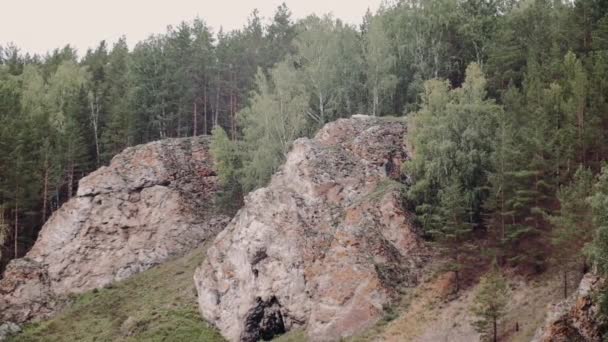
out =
column 152, row 203
column 7, row 330
column 326, row 247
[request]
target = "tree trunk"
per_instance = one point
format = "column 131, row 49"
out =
column 205, row 110
column 232, row 123
column 321, row 109
column 45, row 192
column 71, row 179
column 95, row 124
column 565, row 284
column 375, row 102
column 194, row 120
column 217, row 103
column 16, row 230
column 494, row 325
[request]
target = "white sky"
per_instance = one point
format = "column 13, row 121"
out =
column 37, row 26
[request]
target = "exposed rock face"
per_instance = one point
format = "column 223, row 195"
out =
column 575, row 319
column 325, row 247
column 153, row 202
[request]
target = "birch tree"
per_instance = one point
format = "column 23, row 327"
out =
column 379, row 64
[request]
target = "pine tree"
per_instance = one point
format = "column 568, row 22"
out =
column 572, row 228
column 598, row 201
column 118, row 132
column 228, row 165
column 489, row 304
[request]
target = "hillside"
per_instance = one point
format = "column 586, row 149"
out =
column 160, row 305
column 156, row 305
column 469, row 204
column 326, row 251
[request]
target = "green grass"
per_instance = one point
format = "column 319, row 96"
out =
column 393, row 118
column 156, row 305
column 384, row 187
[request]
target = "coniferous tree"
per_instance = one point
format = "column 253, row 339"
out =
column 573, row 228
column 118, row 132
column 489, row 304
column 228, row 165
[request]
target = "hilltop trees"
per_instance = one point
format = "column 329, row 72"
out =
column 61, row 117
column 379, row 64
column 275, row 118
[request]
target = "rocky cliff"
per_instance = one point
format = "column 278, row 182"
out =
column 325, row 247
column 153, row 202
column 575, row 319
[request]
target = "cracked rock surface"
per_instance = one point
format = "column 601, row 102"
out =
column 153, row 202
column 325, row 247
column 577, row 318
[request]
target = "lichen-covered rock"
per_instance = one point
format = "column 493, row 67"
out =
column 153, row 202
column 325, row 247
column 8, row 329
column 575, row 319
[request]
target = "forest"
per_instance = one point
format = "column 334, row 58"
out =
column 506, row 103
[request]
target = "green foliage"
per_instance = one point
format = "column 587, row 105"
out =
column 275, row 118
column 452, row 136
column 489, row 304
column 379, row 64
column 228, row 165
column 573, row 227
column 598, row 249
column 329, row 62
column 599, row 207
column 62, row 116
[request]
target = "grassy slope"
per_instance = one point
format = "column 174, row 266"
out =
column 156, row 305
column 426, row 314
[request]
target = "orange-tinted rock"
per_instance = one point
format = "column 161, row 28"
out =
column 575, row 319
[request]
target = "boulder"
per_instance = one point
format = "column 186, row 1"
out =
column 326, row 246
column 153, row 202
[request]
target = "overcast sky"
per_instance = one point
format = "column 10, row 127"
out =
column 41, row 25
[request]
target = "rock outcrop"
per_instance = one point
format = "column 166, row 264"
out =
column 153, row 202
column 326, row 247
column 575, row 319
